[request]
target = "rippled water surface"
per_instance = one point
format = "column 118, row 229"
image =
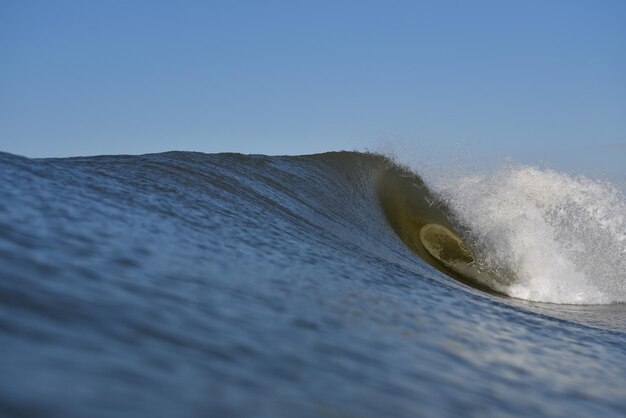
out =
column 184, row 284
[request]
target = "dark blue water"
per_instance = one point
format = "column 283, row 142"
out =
column 194, row 285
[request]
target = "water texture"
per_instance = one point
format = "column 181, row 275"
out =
column 195, row 285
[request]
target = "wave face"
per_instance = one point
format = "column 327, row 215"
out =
column 339, row 284
column 557, row 238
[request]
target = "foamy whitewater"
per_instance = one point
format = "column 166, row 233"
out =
column 333, row 285
column 555, row 237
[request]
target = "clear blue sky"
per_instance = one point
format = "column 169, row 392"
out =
column 533, row 79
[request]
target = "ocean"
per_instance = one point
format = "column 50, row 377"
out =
column 332, row 285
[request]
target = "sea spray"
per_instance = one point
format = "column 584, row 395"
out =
column 563, row 237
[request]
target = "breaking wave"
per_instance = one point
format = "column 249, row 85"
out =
column 548, row 236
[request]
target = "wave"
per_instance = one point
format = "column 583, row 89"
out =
column 531, row 234
column 338, row 283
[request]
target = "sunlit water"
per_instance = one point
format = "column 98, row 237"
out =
column 186, row 284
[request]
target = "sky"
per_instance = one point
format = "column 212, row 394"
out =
column 540, row 81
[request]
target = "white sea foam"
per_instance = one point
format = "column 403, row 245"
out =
column 553, row 237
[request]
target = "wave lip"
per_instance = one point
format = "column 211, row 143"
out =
column 426, row 225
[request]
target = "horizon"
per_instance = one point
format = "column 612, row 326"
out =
column 538, row 83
